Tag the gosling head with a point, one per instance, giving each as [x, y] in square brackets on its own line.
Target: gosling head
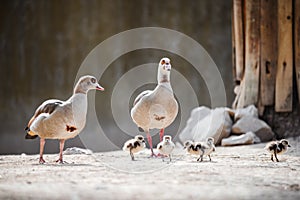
[210, 141]
[139, 138]
[167, 138]
[285, 143]
[187, 144]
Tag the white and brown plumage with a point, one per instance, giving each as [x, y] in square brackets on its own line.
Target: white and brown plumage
[166, 147]
[56, 119]
[134, 145]
[277, 147]
[158, 108]
[200, 148]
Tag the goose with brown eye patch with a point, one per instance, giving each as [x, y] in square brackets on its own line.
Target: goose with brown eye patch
[56, 119]
[158, 108]
[134, 145]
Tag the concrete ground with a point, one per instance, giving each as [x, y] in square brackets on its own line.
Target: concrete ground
[242, 172]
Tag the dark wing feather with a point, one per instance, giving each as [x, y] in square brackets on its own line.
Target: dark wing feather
[47, 107]
[136, 144]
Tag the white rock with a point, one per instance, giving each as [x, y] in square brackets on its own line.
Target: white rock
[247, 138]
[255, 125]
[77, 150]
[197, 114]
[217, 125]
[250, 110]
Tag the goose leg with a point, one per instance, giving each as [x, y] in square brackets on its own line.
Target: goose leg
[161, 134]
[272, 157]
[131, 154]
[61, 148]
[275, 154]
[149, 138]
[42, 144]
[209, 158]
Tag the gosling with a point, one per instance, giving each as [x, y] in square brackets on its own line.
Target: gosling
[200, 148]
[134, 145]
[166, 147]
[277, 147]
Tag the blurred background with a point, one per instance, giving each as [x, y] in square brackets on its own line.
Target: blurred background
[43, 43]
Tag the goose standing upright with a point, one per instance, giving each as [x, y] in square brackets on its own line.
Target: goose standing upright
[157, 108]
[55, 119]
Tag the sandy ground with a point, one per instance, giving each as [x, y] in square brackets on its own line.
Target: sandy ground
[243, 172]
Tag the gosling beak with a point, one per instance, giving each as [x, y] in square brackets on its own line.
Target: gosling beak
[289, 145]
[98, 87]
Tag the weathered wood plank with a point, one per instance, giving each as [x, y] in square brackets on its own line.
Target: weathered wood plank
[233, 47]
[297, 43]
[284, 76]
[268, 60]
[252, 53]
[239, 38]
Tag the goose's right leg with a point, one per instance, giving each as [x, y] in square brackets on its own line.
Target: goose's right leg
[42, 144]
[149, 138]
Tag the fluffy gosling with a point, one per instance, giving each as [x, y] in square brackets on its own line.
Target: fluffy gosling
[166, 146]
[277, 147]
[134, 145]
[200, 148]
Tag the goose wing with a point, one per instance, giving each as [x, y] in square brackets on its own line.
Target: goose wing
[48, 106]
[141, 95]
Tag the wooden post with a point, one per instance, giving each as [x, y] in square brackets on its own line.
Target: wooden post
[239, 38]
[297, 43]
[268, 60]
[252, 53]
[233, 47]
[284, 76]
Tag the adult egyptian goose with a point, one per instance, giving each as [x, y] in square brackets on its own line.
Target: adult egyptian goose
[55, 119]
[157, 108]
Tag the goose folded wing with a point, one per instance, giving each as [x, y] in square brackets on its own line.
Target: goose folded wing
[140, 96]
[48, 106]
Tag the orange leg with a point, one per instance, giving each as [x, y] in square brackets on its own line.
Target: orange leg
[161, 134]
[149, 138]
[42, 144]
[61, 148]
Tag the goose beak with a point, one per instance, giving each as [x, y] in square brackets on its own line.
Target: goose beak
[168, 66]
[98, 87]
[289, 145]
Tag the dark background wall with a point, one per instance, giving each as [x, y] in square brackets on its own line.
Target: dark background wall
[43, 43]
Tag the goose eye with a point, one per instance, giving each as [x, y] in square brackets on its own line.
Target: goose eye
[93, 80]
[163, 62]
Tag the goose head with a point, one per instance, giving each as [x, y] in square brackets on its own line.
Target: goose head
[164, 69]
[86, 83]
[165, 64]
